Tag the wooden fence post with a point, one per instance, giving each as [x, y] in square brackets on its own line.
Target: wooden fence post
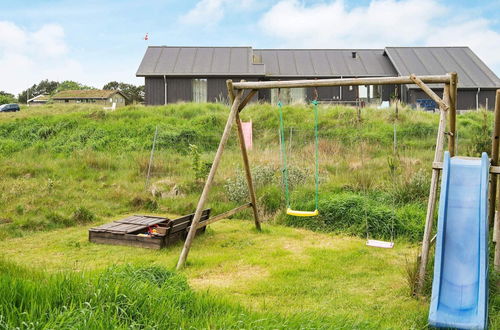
[208, 184]
[429, 219]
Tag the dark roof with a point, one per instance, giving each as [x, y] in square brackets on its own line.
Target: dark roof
[201, 61]
[326, 62]
[86, 94]
[312, 63]
[472, 72]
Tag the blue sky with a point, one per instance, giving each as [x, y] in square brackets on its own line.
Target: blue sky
[99, 41]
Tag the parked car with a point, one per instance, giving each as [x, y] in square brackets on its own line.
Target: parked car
[9, 107]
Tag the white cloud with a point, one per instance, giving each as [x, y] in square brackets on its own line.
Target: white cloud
[50, 40]
[211, 12]
[332, 24]
[26, 57]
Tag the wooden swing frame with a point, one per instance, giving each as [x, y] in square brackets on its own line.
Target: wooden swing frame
[447, 108]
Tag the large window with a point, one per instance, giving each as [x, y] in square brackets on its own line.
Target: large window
[199, 90]
[288, 95]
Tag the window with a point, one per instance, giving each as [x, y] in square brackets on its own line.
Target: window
[297, 95]
[199, 90]
[288, 95]
[363, 92]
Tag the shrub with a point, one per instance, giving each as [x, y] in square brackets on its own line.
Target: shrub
[200, 168]
[355, 214]
[481, 136]
[408, 188]
[82, 215]
[59, 221]
[236, 188]
[270, 198]
[144, 202]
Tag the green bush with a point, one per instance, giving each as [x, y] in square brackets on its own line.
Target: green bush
[354, 214]
[83, 216]
[270, 198]
[406, 189]
[236, 188]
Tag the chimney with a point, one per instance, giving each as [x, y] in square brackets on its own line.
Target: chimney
[354, 54]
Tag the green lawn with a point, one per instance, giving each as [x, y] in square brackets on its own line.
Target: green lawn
[283, 270]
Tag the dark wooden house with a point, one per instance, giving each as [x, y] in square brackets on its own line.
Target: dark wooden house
[199, 74]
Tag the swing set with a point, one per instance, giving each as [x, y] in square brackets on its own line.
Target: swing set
[289, 210]
[239, 99]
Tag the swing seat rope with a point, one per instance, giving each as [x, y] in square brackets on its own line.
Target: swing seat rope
[289, 210]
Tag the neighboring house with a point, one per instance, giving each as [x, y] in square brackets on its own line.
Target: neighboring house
[96, 96]
[38, 100]
[199, 74]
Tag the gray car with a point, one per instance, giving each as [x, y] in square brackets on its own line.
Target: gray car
[9, 107]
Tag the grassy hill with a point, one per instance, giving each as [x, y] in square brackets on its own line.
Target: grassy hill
[65, 165]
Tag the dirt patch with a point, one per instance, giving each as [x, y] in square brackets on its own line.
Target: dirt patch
[228, 277]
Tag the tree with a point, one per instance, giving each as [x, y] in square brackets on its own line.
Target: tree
[71, 85]
[43, 87]
[134, 94]
[6, 98]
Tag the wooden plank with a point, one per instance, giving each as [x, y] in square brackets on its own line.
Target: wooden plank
[224, 215]
[430, 92]
[496, 134]
[439, 166]
[431, 204]
[208, 184]
[435, 79]
[129, 240]
[115, 241]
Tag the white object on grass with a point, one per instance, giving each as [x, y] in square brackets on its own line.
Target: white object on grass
[380, 244]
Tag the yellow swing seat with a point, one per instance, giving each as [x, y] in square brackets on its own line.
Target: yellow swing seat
[314, 213]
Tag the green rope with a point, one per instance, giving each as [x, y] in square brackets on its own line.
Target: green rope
[316, 138]
[284, 158]
[283, 153]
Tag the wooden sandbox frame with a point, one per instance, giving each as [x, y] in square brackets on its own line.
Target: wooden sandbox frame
[447, 108]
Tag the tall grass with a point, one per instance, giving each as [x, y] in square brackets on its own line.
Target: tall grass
[128, 297]
[57, 159]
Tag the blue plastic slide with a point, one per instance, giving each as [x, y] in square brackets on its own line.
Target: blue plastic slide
[459, 290]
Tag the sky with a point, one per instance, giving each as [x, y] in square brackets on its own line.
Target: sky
[97, 41]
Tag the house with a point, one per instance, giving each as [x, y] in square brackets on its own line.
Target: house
[95, 96]
[38, 100]
[199, 74]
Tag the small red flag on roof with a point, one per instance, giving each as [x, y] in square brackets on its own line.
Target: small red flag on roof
[146, 37]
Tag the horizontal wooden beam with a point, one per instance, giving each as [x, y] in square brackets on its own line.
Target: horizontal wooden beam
[439, 166]
[222, 216]
[340, 82]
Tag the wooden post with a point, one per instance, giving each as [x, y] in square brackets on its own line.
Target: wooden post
[494, 179]
[429, 219]
[494, 162]
[208, 184]
[248, 173]
[453, 114]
